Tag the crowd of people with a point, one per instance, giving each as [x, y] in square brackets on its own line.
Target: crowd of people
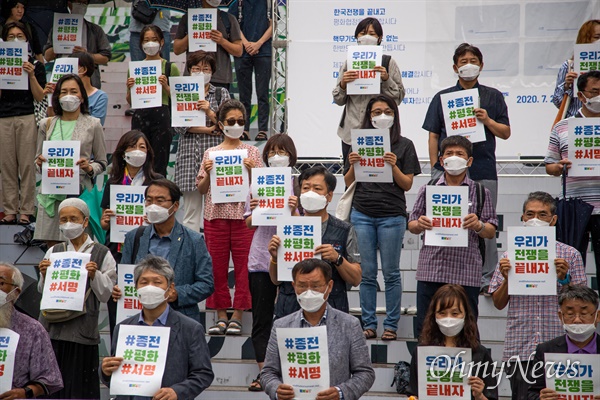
[182, 263]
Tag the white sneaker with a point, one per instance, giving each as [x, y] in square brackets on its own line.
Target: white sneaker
[411, 310]
[402, 310]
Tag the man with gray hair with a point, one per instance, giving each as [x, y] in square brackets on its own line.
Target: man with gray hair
[579, 316]
[189, 371]
[36, 371]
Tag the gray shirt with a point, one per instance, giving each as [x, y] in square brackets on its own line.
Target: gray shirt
[162, 20]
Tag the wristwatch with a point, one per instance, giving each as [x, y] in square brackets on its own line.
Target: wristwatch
[339, 260]
[29, 392]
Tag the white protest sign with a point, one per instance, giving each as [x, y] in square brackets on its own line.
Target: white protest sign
[127, 202]
[9, 341]
[584, 146]
[65, 282]
[459, 114]
[363, 59]
[371, 145]
[200, 22]
[146, 92]
[60, 174]
[67, 32]
[299, 236]
[573, 376]
[446, 207]
[586, 57]
[186, 91]
[272, 187]
[304, 357]
[62, 66]
[12, 57]
[444, 373]
[144, 351]
[129, 304]
[229, 176]
[531, 252]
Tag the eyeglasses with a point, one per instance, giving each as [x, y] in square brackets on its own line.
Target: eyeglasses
[233, 121]
[158, 200]
[389, 112]
[540, 215]
[304, 287]
[206, 70]
[2, 283]
[281, 153]
[12, 37]
[585, 317]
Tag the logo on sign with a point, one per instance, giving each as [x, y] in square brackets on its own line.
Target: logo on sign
[531, 285]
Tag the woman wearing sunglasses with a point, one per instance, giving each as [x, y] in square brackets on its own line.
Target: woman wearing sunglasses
[225, 230]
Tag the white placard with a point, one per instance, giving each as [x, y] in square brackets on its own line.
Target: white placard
[459, 114]
[574, 376]
[65, 282]
[371, 145]
[272, 187]
[531, 252]
[584, 146]
[146, 91]
[67, 32]
[9, 340]
[299, 236]
[60, 174]
[129, 304]
[586, 57]
[186, 91]
[363, 59]
[200, 22]
[62, 66]
[229, 176]
[444, 373]
[12, 74]
[127, 202]
[144, 351]
[304, 357]
[446, 207]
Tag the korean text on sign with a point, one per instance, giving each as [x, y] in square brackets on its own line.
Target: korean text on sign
[443, 372]
[146, 91]
[60, 174]
[272, 187]
[459, 114]
[65, 282]
[446, 207]
[186, 91]
[299, 236]
[66, 32]
[573, 376]
[12, 57]
[200, 22]
[129, 304]
[229, 177]
[62, 66]
[8, 347]
[364, 59]
[371, 145]
[127, 202]
[584, 146]
[586, 57]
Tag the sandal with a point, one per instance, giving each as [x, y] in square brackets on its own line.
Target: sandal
[255, 386]
[24, 220]
[8, 221]
[370, 333]
[219, 328]
[389, 335]
[262, 135]
[234, 327]
[245, 136]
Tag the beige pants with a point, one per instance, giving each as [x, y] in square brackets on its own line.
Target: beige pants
[18, 136]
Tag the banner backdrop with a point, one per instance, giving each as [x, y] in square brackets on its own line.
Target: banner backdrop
[523, 43]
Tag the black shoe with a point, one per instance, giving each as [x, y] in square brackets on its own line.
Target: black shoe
[129, 112]
[485, 290]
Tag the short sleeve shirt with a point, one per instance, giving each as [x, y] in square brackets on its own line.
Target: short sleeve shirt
[254, 19]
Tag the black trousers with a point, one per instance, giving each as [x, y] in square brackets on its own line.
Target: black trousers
[263, 293]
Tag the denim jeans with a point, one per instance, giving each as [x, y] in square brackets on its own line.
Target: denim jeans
[261, 66]
[136, 52]
[385, 233]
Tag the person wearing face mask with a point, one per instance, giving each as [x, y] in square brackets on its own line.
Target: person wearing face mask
[36, 371]
[368, 32]
[195, 140]
[13, 11]
[493, 113]
[95, 42]
[587, 188]
[162, 20]
[350, 372]
[458, 265]
[225, 231]
[72, 122]
[155, 122]
[18, 137]
[279, 151]
[339, 246]
[532, 319]
[588, 33]
[450, 322]
[188, 369]
[379, 217]
[75, 341]
[579, 315]
[183, 248]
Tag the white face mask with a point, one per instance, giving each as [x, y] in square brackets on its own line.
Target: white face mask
[151, 296]
[279, 161]
[151, 48]
[313, 202]
[214, 3]
[71, 230]
[579, 332]
[157, 214]
[311, 301]
[535, 222]
[383, 121]
[135, 158]
[4, 297]
[233, 132]
[69, 103]
[455, 165]
[367, 40]
[78, 8]
[450, 326]
[469, 72]
[593, 104]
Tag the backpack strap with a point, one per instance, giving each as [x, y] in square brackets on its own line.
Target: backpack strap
[168, 66]
[385, 62]
[136, 242]
[218, 96]
[225, 19]
[480, 191]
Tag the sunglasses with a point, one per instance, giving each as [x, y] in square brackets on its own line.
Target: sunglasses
[233, 121]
